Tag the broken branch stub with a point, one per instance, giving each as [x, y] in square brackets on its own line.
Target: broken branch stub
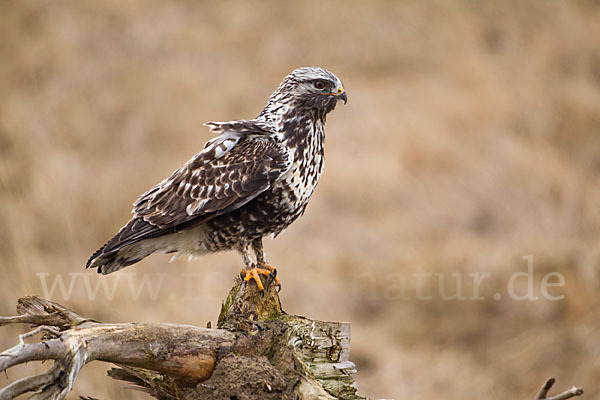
[257, 352]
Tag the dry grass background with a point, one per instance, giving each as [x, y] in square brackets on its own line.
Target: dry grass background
[471, 139]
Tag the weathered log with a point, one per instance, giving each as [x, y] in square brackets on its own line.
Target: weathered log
[257, 352]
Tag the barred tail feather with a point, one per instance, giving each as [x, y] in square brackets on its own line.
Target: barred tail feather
[138, 239]
[126, 247]
[121, 258]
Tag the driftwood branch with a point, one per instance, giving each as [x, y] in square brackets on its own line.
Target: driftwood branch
[567, 394]
[257, 352]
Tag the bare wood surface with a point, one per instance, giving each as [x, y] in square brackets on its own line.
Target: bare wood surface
[567, 394]
[257, 352]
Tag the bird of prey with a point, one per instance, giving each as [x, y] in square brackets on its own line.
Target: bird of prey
[254, 179]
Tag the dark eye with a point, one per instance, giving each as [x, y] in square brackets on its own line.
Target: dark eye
[320, 84]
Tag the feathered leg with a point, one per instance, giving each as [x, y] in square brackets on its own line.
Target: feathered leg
[257, 246]
[252, 271]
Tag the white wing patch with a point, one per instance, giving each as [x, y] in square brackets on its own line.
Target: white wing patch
[224, 147]
[195, 206]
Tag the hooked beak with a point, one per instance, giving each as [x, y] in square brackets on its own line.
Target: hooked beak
[341, 94]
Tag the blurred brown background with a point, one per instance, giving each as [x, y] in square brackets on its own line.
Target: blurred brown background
[471, 139]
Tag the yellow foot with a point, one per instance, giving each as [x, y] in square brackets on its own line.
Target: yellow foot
[253, 273]
[273, 273]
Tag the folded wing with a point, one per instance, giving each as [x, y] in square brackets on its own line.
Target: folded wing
[233, 169]
[213, 184]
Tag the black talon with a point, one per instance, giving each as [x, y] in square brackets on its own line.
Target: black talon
[262, 293]
[279, 288]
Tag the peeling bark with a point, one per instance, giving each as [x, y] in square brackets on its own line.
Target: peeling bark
[257, 352]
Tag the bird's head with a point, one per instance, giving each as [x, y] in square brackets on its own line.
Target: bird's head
[311, 87]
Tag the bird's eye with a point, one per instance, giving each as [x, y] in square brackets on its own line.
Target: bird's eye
[320, 84]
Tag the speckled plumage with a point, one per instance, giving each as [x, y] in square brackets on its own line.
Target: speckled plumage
[253, 179]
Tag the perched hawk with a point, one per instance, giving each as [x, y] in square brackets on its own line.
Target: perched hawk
[254, 179]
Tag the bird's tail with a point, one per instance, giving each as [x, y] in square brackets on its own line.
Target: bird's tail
[115, 260]
[138, 239]
[133, 243]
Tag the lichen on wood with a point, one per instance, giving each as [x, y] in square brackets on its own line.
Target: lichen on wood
[257, 352]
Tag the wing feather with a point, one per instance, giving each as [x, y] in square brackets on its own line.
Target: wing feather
[231, 170]
[207, 186]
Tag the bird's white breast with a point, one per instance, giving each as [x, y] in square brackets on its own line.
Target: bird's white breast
[305, 171]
